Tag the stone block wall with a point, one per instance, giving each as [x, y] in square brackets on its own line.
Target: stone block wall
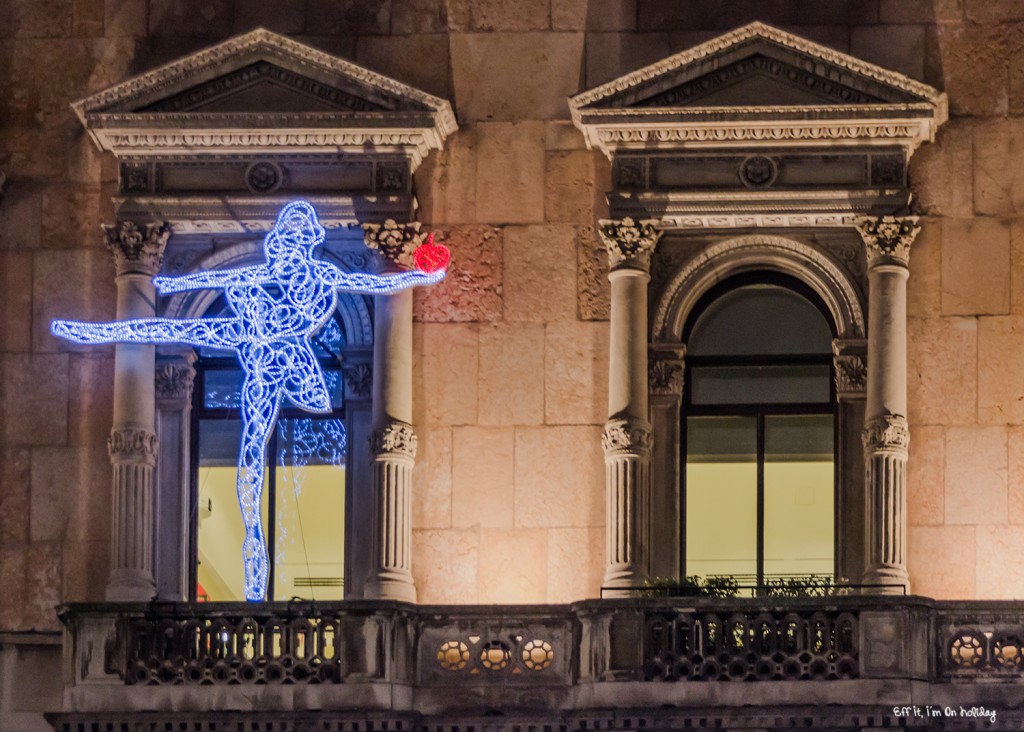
[511, 351]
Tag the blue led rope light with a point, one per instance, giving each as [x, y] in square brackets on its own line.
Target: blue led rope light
[271, 333]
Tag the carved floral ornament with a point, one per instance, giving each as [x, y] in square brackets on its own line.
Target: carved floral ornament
[888, 238]
[666, 377]
[135, 250]
[395, 242]
[395, 438]
[627, 436]
[887, 432]
[133, 445]
[173, 382]
[629, 241]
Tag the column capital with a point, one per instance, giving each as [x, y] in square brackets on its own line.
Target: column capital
[394, 439]
[136, 250]
[888, 239]
[849, 359]
[394, 242]
[627, 436]
[132, 445]
[629, 243]
[666, 377]
[173, 382]
[886, 433]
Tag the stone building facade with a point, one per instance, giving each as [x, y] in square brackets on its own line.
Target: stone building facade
[544, 395]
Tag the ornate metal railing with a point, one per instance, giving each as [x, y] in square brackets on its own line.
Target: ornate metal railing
[755, 645]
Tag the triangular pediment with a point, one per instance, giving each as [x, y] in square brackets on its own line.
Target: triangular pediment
[756, 72]
[262, 82]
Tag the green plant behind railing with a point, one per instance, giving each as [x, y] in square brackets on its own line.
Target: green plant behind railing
[813, 585]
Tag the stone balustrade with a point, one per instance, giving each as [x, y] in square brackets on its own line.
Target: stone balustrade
[827, 661]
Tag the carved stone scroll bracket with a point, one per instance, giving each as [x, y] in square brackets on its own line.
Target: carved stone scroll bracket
[886, 433]
[888, 239]
[849, 358]
[629, 243]
[396, 439]
[137, 250]
[393, 241]
[133, 445]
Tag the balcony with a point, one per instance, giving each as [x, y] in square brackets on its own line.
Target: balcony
[847, 662]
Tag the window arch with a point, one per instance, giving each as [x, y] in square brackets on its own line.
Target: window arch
[834, 295]
[758, 432]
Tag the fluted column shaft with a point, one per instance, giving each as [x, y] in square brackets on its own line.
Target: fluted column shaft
[393, 440]
[627, 435]
[886, 435]
[133, 442]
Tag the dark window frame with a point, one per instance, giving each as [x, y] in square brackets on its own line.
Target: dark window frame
[759, 410]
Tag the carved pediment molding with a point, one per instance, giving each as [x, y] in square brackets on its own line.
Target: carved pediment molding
[264, 93]
[714, 96]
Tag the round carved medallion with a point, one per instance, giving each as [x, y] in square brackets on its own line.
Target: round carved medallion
[263, 177]
[758, 171]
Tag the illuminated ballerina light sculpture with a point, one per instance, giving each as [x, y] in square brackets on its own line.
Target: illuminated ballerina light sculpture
[278, 306]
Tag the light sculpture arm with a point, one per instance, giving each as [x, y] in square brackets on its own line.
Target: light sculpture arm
[431, 266]
[258, 274]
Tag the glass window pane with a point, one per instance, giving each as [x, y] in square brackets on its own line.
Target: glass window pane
[799, 478]
[758, 320]
[223, 388]
[721, 496]
[777, 384]
[220, 575]
[309, 546]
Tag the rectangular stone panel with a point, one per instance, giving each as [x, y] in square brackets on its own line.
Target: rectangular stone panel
[419, 60]
[510, 172]
[576, 373]
[976, 476]
[14, 495]
[576, 561]
[1000, 573]
[526, 89]
[611, 55]
[33, 399]
[511, 389]
[941, 561]
[540, 273]
[482, 477]
[942, 370]
[1015, 479]
[943, 172]
[975, 266]
[445, 374]
[975, 67]
[71, 284]
[559, 477]
[432, 479]
[15, 301]
[926, 476]
[924, 289]
[575, 183]
[513, 566]
[1001, 370]
[472, 290]
[444, 565]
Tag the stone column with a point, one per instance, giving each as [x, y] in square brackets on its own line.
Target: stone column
[174, 379]
[133, 444]
[627, 434]
[886, 435]
[392, 439]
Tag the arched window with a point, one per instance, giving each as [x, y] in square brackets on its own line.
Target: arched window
[759, 432]
[304, 491]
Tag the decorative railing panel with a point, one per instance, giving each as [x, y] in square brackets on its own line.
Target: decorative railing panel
[975, 645]
[527, 648]
[249, 644]
[755, 645]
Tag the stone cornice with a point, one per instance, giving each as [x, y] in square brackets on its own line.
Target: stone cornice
[410, 119]
[612, 118]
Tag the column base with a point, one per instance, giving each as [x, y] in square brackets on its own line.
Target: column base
[623, 582]
[390, 586]
[130, 585]
[887, 580]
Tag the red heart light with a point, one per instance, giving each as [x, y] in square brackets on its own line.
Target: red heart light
[431, 257]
